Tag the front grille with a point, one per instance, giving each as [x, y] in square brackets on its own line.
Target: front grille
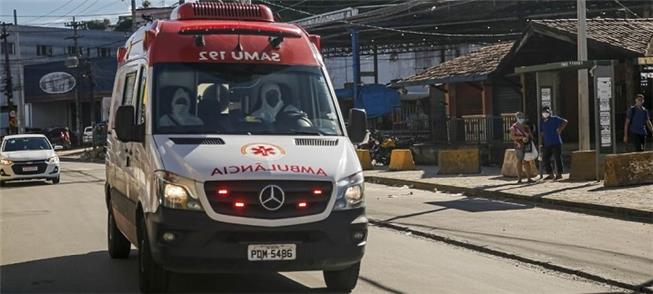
[249, 191]
[17, 167]
[315, 142]
[197, 141]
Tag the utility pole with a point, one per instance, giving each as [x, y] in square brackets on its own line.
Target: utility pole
[9, 87]
[133, 15]
[583, 81]
[78, 123]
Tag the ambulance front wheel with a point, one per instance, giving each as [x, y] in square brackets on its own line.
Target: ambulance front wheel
[342, 280]
[152, 277]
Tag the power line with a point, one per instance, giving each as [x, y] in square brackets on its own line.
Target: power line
[396, 30]
[626, 8]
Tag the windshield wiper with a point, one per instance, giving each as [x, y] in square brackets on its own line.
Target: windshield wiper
[306, 132]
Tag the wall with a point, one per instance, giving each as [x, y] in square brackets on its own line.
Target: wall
[52, 114]
[391, 66]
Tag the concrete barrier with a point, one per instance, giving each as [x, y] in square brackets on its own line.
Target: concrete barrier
[365, 159]
[509, 167]
[583, 166]
[401, 159]
[459, 161]
[628, 169]
[425, 154]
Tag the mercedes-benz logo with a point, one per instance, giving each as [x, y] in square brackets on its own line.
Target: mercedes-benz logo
[271, 197]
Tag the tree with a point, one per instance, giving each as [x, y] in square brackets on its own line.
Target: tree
[124, 24]
[98, 24]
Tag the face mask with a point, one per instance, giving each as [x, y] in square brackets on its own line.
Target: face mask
[270, 106]
[521, 120]
[180, 104]
[546, 115]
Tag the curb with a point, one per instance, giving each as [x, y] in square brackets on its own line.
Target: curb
[621, 213]
[484, 249]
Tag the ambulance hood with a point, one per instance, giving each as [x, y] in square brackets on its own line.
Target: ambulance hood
[243, 157]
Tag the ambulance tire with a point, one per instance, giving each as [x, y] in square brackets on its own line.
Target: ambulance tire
[55, 180]
[3, 183]
[342, 280]
[118, 245]
[152, 278]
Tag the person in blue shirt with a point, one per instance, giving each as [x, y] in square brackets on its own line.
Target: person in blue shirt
[551, 142]
[637, 120]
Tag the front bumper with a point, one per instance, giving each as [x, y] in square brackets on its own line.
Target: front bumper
[202, 245]
[14, 171]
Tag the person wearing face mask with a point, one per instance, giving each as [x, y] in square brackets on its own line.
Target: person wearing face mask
[180, 114]
[271, 103]
[551, 142]
[521, 134]
[637, 120]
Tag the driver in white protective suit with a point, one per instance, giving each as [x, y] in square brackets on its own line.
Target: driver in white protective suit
[180, 114]
[271, 103]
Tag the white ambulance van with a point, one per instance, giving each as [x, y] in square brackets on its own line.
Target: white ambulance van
[227, 151]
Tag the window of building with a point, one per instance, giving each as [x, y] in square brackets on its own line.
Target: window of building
[70, 50]
[43, 50]
[10, 47]
[104, 52]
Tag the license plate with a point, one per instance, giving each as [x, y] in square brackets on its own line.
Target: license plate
[271, 252]
[30, 168]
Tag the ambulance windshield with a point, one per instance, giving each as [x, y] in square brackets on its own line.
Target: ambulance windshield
[243, 99]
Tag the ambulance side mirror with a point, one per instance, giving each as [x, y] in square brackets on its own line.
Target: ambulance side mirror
[357, 125]
[124, 125]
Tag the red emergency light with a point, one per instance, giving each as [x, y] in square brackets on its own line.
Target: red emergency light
[302, 204]
[240, 29]
[239, 204]
[317, 192]
[223, 11]
[223, 192]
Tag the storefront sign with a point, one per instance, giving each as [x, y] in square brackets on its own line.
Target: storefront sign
[546, 97]
[645, 60]
[604, 94]
[57, 82]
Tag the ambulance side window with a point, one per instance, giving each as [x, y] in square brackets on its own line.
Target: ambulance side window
[141, 99]
[128, 92]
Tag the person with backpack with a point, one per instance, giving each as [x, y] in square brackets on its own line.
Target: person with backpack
[551, 142]
[637, 120]
[521, 134]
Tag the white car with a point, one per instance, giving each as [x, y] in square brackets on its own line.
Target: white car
[87, 137]
[26, 157]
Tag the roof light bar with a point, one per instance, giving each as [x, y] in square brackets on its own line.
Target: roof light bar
[223, 11]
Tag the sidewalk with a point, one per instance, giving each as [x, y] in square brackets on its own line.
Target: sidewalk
[71, 152]
[631, 203]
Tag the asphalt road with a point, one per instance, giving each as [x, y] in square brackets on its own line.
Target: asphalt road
[613, 249]
[53, 240]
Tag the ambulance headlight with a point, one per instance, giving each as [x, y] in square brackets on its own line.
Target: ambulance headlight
[176, 192]
[350, 192]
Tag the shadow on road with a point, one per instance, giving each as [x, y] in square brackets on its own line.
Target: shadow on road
[97, 272]
[479, 205]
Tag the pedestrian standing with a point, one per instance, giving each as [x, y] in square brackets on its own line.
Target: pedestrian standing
[522, 136]
[637, 120]
[551, 142]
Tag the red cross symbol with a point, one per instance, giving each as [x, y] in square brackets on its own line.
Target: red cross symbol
[263, 151]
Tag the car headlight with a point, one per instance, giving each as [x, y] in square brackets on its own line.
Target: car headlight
[53, 160]
[176, 192]
[350, 192]
[5, 161]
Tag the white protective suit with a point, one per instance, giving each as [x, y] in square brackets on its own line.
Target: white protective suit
[271, 103]
[180, 115]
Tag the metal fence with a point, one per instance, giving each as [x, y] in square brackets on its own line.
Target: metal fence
[479, 129]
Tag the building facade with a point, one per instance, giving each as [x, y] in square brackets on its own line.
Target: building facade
[44, 88]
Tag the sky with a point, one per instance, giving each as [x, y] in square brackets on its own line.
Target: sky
[57, 12]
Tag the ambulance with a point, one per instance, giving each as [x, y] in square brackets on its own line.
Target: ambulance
[227, 151]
